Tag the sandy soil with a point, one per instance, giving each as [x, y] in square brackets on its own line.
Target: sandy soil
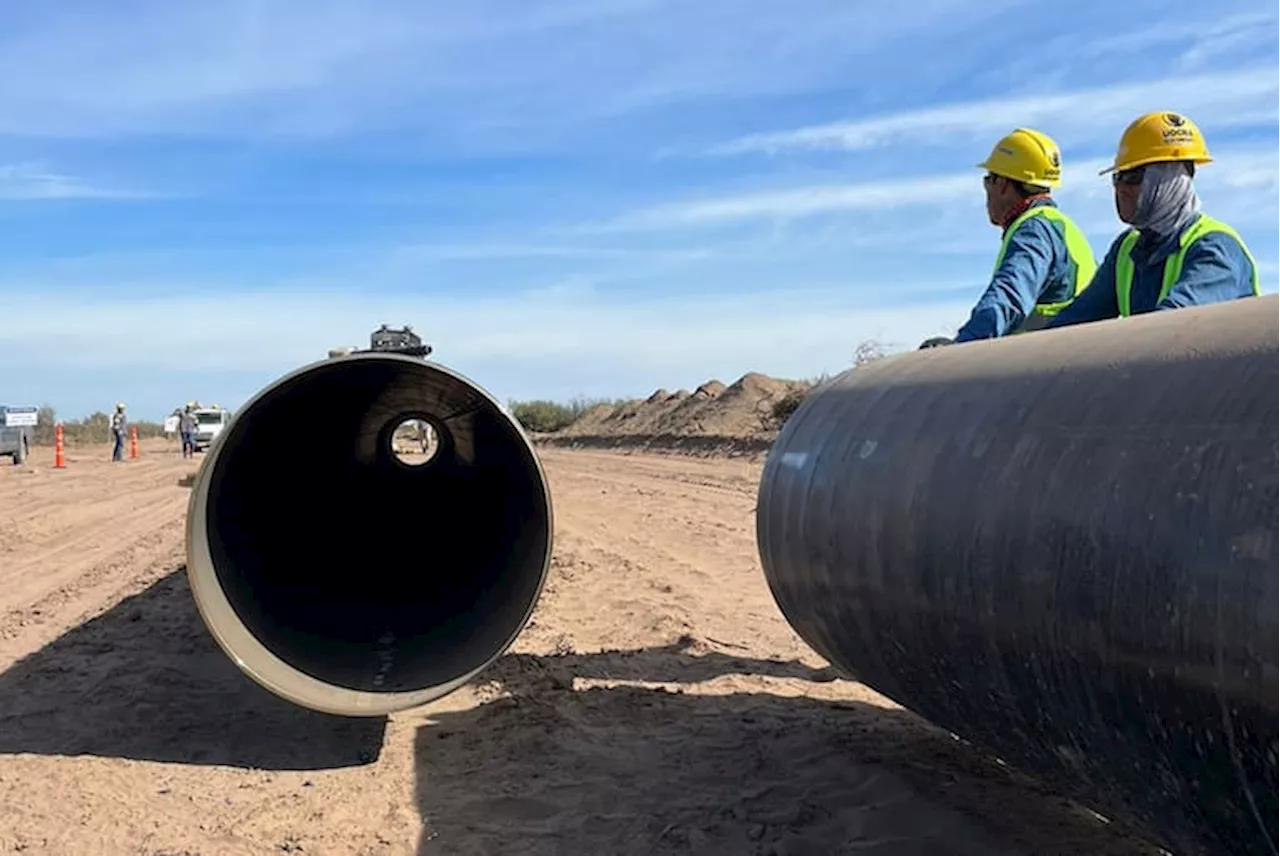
[658, 703]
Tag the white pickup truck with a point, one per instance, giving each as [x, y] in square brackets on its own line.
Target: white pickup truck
[17, 427]
[209, 424]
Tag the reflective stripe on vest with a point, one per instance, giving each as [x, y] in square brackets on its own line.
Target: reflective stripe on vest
[1204, 225]
[1078, 250]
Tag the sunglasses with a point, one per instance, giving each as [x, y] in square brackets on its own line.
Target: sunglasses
[1129, 177]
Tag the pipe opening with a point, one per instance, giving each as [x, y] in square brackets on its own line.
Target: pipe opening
[356, 568]
[414, 441]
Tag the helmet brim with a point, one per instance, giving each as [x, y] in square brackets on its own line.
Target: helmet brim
[1046, 185]
[1134, 164]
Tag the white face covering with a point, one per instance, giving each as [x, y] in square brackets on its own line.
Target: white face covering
[1167, 200]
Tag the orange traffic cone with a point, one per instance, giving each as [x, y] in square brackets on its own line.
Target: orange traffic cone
[59, 451]
[133, 442]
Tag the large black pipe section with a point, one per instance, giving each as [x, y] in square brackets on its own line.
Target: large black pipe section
[1062, 547]
[346, 580]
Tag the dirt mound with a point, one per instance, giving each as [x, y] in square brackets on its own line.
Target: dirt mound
[710, 389]
[593, 418]
[745, 409]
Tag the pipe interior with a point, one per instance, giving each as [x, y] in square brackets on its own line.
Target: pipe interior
[359, 570]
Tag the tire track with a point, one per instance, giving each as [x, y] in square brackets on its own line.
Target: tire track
[74, 541]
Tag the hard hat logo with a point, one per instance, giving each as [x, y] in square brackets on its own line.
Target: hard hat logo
[1177, 131]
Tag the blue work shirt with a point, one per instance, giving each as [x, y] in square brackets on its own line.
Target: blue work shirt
[1215, 269]
[1035, 269]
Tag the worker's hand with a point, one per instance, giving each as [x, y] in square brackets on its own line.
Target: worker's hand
[935, 342]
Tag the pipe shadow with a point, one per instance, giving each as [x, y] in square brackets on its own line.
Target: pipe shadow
[146, 681]
[549, 769]
[682, 662]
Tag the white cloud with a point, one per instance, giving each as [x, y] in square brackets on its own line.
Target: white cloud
[564, 336]
[806, 201]
[489, 251]
[1253, 169]
[1215, 101]
[1177, 44]
[458, 70]
[35, 181]
[1235, 169]
[1232, 33]
[1203, 37]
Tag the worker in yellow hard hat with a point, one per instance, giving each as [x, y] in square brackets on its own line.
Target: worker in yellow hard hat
[1174, 256]
[1044, 259]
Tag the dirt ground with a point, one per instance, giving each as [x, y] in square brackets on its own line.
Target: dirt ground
[658, 702]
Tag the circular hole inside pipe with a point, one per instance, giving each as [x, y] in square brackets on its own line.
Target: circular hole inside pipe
[414, 442]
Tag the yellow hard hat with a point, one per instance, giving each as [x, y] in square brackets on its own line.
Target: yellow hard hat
[1158, 137]
[1027, 156]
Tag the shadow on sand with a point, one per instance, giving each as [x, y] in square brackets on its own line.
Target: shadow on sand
[146, 681]
[549, 769]
[682, 662]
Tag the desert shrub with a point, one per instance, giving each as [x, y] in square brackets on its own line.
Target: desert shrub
[546, 417]
[543, 417]
[94, 428]
[866, 352]
[869, 351]
[788, 404]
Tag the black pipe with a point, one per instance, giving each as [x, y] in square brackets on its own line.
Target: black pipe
[349, 580]
[1062, 547]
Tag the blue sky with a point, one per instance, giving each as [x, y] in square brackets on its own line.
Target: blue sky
[586, 197]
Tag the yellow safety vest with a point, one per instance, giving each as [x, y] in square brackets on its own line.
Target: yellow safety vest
[1204, 225]
[1078, 250]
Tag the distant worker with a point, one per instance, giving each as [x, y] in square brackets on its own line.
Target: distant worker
[187, 427]
[1174, 256]
[1044, 260]
[119, 425]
